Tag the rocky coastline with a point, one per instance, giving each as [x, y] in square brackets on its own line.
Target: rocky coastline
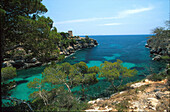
[145, 95]
[159, 48]
[21, 61]
[149, 94]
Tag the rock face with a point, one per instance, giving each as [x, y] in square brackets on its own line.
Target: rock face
[158, 47]
[79, 44]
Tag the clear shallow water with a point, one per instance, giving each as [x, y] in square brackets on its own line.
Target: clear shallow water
[128, 48]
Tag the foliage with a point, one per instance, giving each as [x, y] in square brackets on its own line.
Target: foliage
[122, 106]
[115, 71]
[54, 89]
[5, 87]
[157, 77]
[17, 11]
[36, 33]
[162, 32]
[165, 57]
[94, 69]
[8, 73]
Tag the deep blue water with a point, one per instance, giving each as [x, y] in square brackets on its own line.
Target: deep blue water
[128, 48]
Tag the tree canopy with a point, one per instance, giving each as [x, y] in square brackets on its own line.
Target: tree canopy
[60, 79]
[115, 71]
[22, 25]
[162, 32]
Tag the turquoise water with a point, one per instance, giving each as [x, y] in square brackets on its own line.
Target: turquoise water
[128, 48]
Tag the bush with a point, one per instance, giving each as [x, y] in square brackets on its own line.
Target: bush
[122, 106]
[156, 77]
[8, 73]
[61, 58]
[123, 87]
[165, 57]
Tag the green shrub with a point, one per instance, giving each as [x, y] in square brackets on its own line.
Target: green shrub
[61, 58]
[123, 87]
[156, 77]
[8, 73]
[165, 57]
[122, 106]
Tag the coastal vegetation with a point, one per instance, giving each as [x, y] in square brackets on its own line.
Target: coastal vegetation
[54, 89]
[115, 71]
[159, 43]
[29, 40]
[8, 73]
[59, 80]
[150, 94]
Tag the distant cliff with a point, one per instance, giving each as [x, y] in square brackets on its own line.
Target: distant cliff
[80, 43]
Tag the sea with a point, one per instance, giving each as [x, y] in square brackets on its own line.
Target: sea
[128, 48]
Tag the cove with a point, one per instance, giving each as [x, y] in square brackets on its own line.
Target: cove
[128, 48]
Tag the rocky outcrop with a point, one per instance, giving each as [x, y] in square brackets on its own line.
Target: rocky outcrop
[21, 59]
[158, 47]
[79, 44]
[22, 64]
[144, 96]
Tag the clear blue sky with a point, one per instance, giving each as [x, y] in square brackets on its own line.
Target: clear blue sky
[107, 17]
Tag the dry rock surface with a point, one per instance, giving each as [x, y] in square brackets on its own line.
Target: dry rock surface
[143, 96]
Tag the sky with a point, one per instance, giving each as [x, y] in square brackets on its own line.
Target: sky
[108, 17]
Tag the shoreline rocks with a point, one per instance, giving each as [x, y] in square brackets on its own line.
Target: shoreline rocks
[158, 47]
[23, 60]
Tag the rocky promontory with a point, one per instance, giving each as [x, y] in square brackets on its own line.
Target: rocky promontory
[80, 43]
[21, 59]
[159, 47]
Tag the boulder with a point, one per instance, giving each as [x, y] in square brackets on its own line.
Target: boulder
[159, 50]
[29, 65]
[157, 58]
[61, 53]
[146, 45]
[85, 45]
[8, 63]
[65, 52]
[136, 85]
[95, 42]
[70, 49]
[152, 51]
[75, 47]
[91, 45]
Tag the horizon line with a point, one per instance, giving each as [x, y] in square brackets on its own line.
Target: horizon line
[112, 34]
